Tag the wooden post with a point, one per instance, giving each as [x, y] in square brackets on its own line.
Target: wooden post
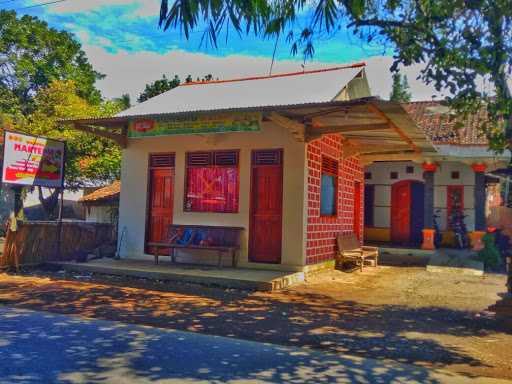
[428, 208]
[59, 225]
[13, 224]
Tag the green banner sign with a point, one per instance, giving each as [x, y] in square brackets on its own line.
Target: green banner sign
[224, 123]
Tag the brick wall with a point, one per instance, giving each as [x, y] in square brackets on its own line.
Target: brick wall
[321, 231]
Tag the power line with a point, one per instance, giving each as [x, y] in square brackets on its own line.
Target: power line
[40, 5]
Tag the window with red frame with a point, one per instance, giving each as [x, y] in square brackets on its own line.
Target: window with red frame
[454, 202]
[329, 187]
[212, 182]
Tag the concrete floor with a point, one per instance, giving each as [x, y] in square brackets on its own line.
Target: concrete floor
[241, 278]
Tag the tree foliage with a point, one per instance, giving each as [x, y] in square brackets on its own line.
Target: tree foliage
[162, 85]
[88, 158]
[400, 89]
[157, 87]
[32, 55]
[459, 42]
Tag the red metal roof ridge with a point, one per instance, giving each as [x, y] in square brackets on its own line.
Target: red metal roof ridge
[355, 65]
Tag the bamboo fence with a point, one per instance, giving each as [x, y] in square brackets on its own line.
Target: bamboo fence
[37, 242]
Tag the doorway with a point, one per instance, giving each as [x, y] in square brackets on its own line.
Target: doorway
[265, 232]
[160, 197]
[407, 212]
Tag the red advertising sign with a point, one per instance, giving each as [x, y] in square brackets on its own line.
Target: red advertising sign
[33, 160]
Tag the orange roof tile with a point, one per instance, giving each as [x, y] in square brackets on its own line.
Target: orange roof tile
[439, 125]
[106, 193]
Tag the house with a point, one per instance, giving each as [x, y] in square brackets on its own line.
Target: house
[402, 197]
[102, 204]
[279, 156]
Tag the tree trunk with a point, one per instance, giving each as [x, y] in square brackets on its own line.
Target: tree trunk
[49, 203]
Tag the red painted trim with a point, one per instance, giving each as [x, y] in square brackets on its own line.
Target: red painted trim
[356, 65]
[479, 167]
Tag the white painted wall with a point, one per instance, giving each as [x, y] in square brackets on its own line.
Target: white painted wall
[381, 179]
[98, 214]
[134, 177]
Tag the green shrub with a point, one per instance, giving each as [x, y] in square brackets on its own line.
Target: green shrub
[489, 255]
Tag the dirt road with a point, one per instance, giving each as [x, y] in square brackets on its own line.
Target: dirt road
[402, 314]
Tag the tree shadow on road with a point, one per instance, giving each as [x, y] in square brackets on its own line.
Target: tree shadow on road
[39, 347]
[383, 332]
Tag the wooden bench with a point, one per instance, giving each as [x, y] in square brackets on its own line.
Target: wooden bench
[349, 249]
[223, 240]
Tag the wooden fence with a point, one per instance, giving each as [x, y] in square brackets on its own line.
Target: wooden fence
[37, 242]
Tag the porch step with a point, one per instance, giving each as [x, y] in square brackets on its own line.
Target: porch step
[455, 261]
[240, 278]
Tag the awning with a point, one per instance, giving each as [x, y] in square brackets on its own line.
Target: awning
[375, 129]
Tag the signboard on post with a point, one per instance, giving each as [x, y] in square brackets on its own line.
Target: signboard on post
[33, 160]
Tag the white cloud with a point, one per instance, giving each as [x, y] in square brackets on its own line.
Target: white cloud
[144, 8]
[130, 72]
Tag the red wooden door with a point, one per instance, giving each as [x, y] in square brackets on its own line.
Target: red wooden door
[401, 212]
[265, 232]
[161, 191]
[357, 209]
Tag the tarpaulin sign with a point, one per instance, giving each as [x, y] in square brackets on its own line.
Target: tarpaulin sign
[33, 160]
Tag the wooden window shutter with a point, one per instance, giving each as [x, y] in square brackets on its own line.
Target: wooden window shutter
[161, 160]
[329, 165]
[226, 158]
[199, 159]
[267, 157]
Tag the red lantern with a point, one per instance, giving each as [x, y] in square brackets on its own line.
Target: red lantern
[429, 167]
[479, 167]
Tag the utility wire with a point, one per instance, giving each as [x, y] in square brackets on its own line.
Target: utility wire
[40, 5]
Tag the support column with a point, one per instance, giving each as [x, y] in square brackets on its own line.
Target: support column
[480, 198]
[428, 207]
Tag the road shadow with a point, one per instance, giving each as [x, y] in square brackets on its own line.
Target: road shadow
[48, 348]
[383, 332]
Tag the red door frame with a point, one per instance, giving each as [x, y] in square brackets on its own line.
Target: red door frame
[150, 188]
[252, 221]
[401, 211]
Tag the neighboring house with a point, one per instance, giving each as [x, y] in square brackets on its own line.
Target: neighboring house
[402, 196]
[280, 156]
[32, 208]
[102, 205]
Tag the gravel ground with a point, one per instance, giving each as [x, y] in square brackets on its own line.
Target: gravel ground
[401, 314]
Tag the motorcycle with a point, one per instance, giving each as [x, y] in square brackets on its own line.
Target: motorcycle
[459, 228]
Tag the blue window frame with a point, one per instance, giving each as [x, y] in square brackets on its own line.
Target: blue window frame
[329, 187]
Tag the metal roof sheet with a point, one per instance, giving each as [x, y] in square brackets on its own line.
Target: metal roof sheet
[307, 87]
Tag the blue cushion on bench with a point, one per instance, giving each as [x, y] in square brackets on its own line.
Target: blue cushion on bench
[185, 239]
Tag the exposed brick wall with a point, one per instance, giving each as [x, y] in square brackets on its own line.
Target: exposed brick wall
[321, 231]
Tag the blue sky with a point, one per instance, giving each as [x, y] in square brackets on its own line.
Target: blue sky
[122, 40]
[132, 26]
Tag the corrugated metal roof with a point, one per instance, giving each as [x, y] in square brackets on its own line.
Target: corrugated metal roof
[277, 90]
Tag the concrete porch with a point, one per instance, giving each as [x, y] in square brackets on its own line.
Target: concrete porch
[241, 278]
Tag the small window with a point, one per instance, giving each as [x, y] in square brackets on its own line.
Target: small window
[212, 182]
[455, 175]
[393, 175]
[367, 175]
[329, 187]
[161, 160]
[409, 169]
